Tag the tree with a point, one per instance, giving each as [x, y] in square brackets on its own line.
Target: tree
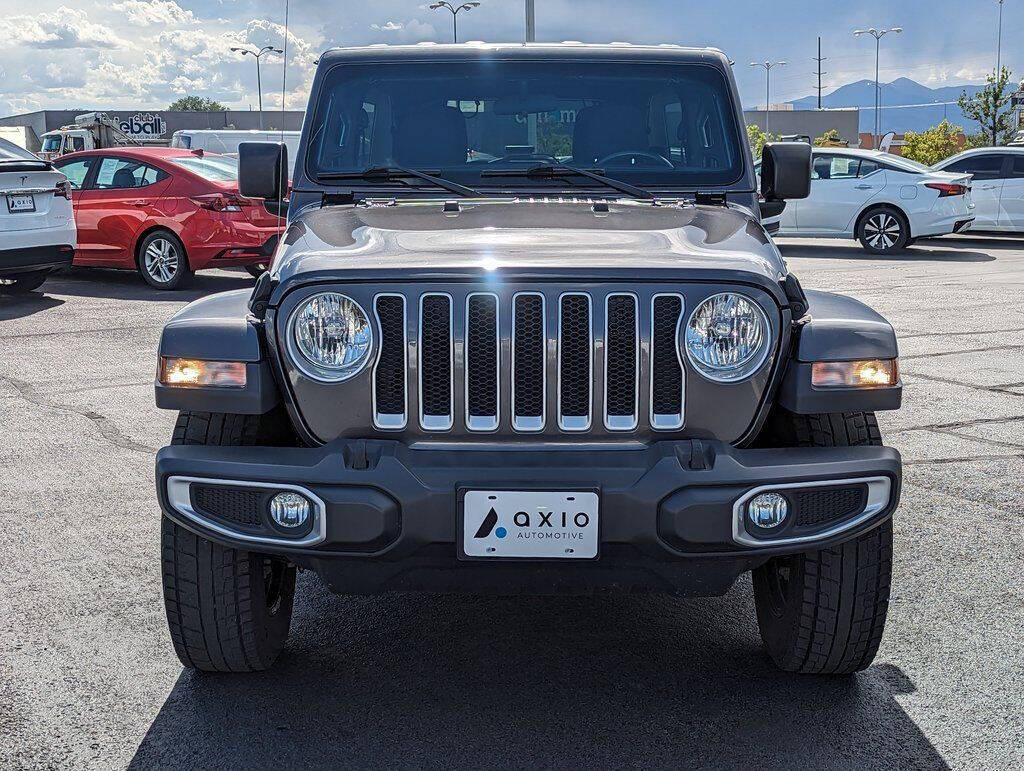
[935, 144]
[829, 138]
[196, 104]
[987, 107]
[757, 138]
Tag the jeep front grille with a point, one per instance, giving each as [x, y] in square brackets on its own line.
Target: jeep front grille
[562, 356]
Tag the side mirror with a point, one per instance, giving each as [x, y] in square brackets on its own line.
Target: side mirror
[785, 170]
[262, 170]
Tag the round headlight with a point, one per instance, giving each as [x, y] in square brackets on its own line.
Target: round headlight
[727, 337]
[331, 336]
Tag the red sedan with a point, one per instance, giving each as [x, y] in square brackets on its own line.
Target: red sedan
[166, 213]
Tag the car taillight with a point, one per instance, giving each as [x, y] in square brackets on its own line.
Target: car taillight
[947, 189]
[220, 201]
[62, 190]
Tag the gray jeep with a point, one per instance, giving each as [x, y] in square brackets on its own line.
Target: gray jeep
[525, 333]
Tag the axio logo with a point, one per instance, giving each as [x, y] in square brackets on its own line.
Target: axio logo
[488, 525]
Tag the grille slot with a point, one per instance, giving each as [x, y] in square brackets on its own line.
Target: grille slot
[482, 346]
[622, 355]
[389, 384]
[436, 362]
[816, 507]
[667, 381]
[238, 505]
[529, 370]
[575, 362]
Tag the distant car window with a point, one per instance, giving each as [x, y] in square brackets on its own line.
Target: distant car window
[216, 168]
[867, 167]
[121, 173]
[77, 143]
[1018, 166]
[835, 167]
[981, 166]
[51, 144]
[76, 171]
[181, 140]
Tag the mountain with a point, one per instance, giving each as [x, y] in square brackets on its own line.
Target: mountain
[927, 111]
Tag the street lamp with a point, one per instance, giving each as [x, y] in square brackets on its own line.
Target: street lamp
[999, 41]
[767, 86]
[259, 84]
[455, 14]
[877, 34]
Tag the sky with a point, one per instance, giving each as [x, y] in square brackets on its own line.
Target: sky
[138, 54]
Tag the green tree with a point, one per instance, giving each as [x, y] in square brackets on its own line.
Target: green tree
[933, 145]
[830, 137]
[196, 104]
[757, 138]
[988, 107]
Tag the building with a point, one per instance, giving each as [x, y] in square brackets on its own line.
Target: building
[155, 124]
[812, 123]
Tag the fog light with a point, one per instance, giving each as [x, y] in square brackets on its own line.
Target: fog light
[289, 510]
[767, 510]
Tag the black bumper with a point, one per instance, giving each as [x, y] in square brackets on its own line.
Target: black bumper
[390, 520]
[35, 258]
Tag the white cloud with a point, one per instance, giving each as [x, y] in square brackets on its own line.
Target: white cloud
[145, 13]
[388, 26]
[412, 31]
[63, 28]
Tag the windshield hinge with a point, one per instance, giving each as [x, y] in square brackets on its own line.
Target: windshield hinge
[711, 198]
[377, 203]
[451, 207]
[337, 199]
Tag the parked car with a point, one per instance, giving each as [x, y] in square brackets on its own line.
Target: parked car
[884, 201]
[166, 213]
[522, 375]
[997, 186]
[37, 227]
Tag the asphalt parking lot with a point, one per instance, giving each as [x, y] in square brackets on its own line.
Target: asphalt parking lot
[88, 676]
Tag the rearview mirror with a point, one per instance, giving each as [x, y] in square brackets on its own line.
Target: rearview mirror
[785, 171]
[262, 170]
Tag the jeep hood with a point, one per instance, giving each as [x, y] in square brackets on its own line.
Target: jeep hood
[421, 240]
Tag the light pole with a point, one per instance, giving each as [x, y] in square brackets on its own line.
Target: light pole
[259, 84]
[877, 34]
[999, 41]
[767, 86]
[455, 14]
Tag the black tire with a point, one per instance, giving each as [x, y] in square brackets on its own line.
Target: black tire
[258, 269]
[162, 261]
[22, 283]
[228, 610]
[823, 612]
[883, 230]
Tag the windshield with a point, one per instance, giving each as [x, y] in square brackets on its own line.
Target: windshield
[51, 144]
[669, 125]
[11, 152]
[216, 168]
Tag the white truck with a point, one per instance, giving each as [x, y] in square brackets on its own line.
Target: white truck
[93, 130]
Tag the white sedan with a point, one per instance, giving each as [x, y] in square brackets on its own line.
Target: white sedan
[884, 201]
[997, 187]
[37, 226]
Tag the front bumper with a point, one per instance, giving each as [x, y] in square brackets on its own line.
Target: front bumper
[671, 513]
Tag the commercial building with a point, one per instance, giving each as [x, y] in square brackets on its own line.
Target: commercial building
[812, 123]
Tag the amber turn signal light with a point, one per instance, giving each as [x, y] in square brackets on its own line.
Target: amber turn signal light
[873, 373]
[175, 371]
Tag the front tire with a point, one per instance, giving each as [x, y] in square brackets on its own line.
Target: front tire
[22, 283]
[162, 261]
[824, 611]
[228, 610]
[883, 230]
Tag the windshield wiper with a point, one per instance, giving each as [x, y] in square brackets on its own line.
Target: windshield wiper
[398, 172]
[551, 170]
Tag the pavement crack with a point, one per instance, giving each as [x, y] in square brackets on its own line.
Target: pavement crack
[958, 334]
[958, 424]
[965, 459]
[108, 430]
[963, 350]
[978, 439]
[950, 381]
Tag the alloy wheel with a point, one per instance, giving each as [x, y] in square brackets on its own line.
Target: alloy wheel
[882, 231]
[161, 260]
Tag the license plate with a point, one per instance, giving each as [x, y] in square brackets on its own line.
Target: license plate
[20, 203]
[530, 524]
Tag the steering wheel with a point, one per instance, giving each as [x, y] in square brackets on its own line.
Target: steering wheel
[660, 160]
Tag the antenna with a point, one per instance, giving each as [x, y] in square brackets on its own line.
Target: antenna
[283, 180]
[819, 59]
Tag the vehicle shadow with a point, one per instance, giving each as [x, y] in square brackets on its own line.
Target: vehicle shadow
[923, 251]
[16, 306]
[641, 681]
[127, 285]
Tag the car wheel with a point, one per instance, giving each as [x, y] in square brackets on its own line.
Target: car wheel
[823, 611]
[883, 230]
[228, 610]
[258, 269]
[163, 263]
[23, 283]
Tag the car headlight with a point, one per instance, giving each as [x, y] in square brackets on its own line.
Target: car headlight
[727, 337]
[330, 337]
